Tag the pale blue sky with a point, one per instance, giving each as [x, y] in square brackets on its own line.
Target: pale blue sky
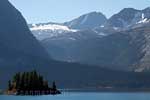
[36, 11]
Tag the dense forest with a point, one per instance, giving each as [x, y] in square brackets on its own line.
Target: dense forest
[30, 83]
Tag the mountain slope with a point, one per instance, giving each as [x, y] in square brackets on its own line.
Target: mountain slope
[14, 33]
[19, 49]
[125, 50]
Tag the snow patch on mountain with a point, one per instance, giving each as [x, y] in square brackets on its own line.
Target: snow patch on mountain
[144, 20]
[52, 27]
[116, 28]
[85, 19]
[43, 31]
[102, 26]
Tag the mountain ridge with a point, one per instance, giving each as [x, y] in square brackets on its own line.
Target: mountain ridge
[128, 17]
[108, 43]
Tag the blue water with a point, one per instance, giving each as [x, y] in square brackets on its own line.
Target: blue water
[83, 96]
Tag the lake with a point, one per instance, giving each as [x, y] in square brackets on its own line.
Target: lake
[83, 96]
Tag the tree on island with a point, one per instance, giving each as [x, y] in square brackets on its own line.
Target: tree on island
[31, 83]
[54, 86]
[9, 85]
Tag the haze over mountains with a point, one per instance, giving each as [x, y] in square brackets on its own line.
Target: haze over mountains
[120, 42]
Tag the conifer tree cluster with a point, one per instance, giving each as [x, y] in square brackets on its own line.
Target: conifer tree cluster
[29, 81]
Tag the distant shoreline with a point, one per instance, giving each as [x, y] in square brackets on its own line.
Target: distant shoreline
[107, 90]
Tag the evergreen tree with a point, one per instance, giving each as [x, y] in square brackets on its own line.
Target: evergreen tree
[22, 84]
[9, 85]
[46, 85]
[41, 82]
[54, 86]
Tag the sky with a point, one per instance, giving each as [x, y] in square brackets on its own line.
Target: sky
[39, 11]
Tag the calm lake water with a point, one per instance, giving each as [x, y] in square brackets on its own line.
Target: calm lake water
[83, 96]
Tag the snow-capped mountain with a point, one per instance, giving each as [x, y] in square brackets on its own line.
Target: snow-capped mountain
[128, 18]
[43, 31]
[116, 44]
[94, 22]
[87, 21]
[83, 23]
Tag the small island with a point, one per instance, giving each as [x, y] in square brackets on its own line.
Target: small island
[30, 83]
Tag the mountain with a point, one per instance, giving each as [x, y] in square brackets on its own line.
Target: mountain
[109, 44]
[17, 42]
[129, 17]
[87, 21]
[109, 48]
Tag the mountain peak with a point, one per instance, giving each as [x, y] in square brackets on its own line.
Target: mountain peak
[129, 17]
[87, 21]
[146, 9]
[94, 13]
[128, 9]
